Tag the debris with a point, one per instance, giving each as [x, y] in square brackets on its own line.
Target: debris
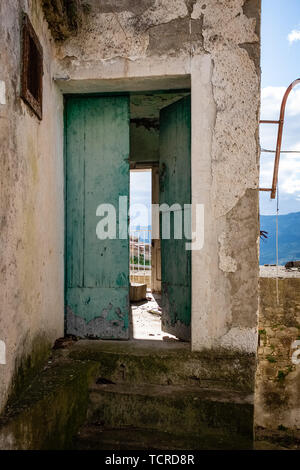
[168, 339]
[155, 312]
[138, 292]
[292, 264]
[64, 343]
[103, 381]
[263, 234]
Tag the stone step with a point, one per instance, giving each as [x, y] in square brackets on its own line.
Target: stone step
[177, 410]
[166, 363]
[95, 437]
[48, 413]
[51, 410]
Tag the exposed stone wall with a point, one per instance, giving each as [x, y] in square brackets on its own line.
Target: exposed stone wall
[63, 16]
[277, 403]
[31, 181]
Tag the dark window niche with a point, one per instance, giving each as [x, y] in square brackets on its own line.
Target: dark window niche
[32, 69]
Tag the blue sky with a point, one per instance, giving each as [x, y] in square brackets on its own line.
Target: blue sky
[280, 63]
[140, 193]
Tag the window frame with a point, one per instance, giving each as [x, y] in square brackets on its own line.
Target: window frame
[28, 34]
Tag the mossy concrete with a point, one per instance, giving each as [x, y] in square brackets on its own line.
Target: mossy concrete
[165, 363]
[29, 365]
[177, 410]
[166, 388]
[96, 437]
[49, 412]
[158, 387]
[280, 439]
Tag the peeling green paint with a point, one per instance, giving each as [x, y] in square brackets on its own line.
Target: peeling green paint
[175, 188]
[97, 172]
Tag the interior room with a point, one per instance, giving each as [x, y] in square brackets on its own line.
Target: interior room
[145, 244]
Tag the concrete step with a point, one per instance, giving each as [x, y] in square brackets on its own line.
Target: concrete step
[167, 363]
[177, 410]
[47, 414]
[95, 437]
[63, 395]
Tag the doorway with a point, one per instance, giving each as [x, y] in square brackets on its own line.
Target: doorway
[106, 136]
[145, 261]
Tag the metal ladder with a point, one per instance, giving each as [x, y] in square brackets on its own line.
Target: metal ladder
[278, 150]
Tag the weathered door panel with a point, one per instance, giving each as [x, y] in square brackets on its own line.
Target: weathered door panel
[97, 172]
[156, 250]
[175, 188]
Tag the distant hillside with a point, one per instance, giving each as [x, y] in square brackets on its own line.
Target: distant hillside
[288, 235]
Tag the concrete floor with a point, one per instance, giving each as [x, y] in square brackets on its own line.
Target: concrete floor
[146, 320]
[280, 271]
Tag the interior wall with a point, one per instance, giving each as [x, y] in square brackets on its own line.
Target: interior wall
[144, 141]
[32, 239]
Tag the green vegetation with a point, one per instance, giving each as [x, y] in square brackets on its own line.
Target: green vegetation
[139, 261]
[281, 375]
[282, 428]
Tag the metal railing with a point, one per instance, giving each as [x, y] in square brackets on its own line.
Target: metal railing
[140, 255]
[278, 150]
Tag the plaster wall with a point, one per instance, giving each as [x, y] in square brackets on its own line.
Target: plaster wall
[154, 44]
[212, 46]
[31, 214]
[144, 142]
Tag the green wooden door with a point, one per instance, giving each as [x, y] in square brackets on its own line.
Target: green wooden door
[97, 172]
[175, 188]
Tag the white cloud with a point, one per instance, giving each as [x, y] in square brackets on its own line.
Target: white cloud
[289, 175]
[140, 198]
[266, 171]
[289, 172]
[271, 98]
[140, 181]
[294, 36]
[289, 168]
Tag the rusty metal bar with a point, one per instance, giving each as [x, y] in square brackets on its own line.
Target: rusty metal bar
[279, 137]
[269, 122]
[282, 151]
[265, 189]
